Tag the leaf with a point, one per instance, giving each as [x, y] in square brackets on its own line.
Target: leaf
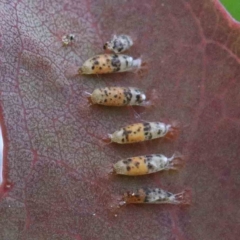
[56, 162]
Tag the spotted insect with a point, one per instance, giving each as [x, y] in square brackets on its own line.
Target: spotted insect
[142, 165]
[118, 44]
[156, 196]
[68, 39]
[140, 132]
[110, 63]
[118, 97]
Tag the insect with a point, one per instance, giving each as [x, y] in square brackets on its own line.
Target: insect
[142, 165]
[68, 39]
[118, 96]
[156, 196]
[110, 63]
[139, 132]
[118, 44]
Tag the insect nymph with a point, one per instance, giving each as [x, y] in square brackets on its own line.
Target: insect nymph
[139, 132]
[110, 63]
[118, 44]
[142, 165]
[119, 96]
[157, 196]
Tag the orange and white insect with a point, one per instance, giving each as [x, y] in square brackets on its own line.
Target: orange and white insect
[118, 44]
[142, 165]
[119, 96]
[157, 196]
[110, 63]
[68, 39]
[140, 132]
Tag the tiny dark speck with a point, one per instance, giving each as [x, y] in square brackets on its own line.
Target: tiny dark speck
[150, 166]
[128, 168]
[137, 164]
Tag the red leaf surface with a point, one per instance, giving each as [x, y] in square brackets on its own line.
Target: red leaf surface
[55, 160]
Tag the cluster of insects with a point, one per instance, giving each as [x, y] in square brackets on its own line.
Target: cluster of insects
[137, 132]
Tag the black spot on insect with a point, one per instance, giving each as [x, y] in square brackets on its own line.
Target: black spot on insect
[115, 96]
[100, 68]
[125, 161]
[129, 159]
[93, 67]
[137, 164]
[126, 133]
[104, 64]
[124, 101]
[105, 46]
[150, 166]
[96, 62]
[139, 129]
[148, 158]
[106, 92]
[150, 136]
[128, 168]
[134, 132]
[128, 95]
[105, 100]
[116, 63]
[123, 140]
[147, 127]
[159, 131]
[138, 98]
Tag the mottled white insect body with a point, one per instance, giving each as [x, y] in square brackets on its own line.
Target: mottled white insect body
[119, 44]
[159, 129]
[68, 39]
[116, 136]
